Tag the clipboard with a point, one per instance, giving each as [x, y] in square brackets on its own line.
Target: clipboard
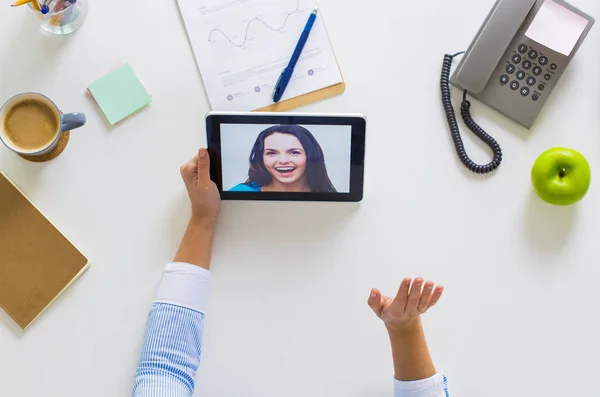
[191, 17]
[305, 99]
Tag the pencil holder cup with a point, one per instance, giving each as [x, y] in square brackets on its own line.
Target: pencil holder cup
[65, 16]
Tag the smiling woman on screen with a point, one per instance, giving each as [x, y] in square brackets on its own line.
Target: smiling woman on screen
[286, 158]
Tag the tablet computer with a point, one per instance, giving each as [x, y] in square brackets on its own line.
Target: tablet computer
[287, 156]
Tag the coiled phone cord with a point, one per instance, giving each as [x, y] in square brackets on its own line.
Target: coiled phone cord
[465, 111]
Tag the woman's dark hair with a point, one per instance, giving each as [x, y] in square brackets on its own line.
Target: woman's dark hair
[316, 172]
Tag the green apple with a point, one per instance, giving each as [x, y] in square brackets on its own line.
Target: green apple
[561, 176]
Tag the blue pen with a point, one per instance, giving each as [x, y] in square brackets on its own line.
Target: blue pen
[45, 9]
[287, 73]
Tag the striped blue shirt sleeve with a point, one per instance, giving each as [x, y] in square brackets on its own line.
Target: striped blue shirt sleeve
[172, 343]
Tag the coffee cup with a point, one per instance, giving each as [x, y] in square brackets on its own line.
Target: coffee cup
[31, 124]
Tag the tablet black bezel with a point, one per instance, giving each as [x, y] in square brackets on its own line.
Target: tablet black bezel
[357, 155]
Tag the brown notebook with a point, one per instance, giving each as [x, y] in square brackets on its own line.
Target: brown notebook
[37, 262]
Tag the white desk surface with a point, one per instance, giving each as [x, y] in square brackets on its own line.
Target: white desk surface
[288, 314]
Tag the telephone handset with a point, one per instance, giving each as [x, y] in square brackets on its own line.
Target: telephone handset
[513, 64]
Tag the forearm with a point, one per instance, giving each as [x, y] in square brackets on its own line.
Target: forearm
[414, 372]
[412, 360]
[196, 245]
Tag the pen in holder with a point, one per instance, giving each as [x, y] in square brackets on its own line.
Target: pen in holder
[64, 17]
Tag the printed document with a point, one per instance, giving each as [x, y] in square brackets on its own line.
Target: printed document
[242, 46]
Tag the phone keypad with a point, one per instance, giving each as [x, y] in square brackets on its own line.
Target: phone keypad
[526, 63]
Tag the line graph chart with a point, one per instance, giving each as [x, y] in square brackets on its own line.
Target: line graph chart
[259, 21]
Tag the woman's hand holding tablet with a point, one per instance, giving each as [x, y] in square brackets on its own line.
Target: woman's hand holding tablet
[287, 156]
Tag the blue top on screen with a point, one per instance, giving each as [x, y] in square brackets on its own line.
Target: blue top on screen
[246, 187]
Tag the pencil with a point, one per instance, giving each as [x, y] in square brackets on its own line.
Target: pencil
[55, 20]
[59, 6]
[21, 2]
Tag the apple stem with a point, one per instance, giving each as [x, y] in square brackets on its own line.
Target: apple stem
[562, 173]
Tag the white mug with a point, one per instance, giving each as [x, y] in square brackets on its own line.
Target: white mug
[67, 122]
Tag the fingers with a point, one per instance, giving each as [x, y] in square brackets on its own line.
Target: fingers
[425, 297]
[402, 296]
[198, 168]
[429, 297]
[375, 301]
[410, 301]
[189, 169]
[414, 295]
[203, 164]
[437, 294]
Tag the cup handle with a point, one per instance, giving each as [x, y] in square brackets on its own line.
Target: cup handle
[71, 121]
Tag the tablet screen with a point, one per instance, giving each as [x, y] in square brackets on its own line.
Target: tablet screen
[286, 158]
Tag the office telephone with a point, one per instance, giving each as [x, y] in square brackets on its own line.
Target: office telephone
[512, 65]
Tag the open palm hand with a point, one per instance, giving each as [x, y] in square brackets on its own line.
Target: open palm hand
[407, 306]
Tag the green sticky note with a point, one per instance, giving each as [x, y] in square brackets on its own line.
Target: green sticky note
[119, 93]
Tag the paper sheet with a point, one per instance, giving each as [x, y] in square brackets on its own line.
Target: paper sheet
[242, 46]
[557, 28]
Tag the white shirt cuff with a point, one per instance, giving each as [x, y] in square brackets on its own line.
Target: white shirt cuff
[429, 387]
[184, 285]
